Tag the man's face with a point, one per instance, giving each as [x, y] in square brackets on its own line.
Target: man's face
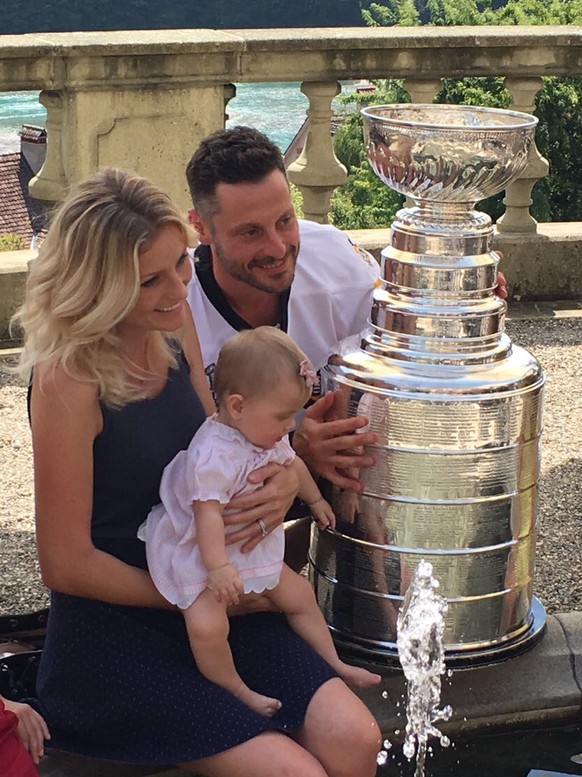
[254, 236]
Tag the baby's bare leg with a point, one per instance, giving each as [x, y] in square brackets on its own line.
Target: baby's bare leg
[207, 626]
[294, 596]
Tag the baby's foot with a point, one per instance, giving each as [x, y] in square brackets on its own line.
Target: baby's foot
[355, 675]
[261, 704]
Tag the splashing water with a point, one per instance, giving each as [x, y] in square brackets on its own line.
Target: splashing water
[382, 756]
[421, 623]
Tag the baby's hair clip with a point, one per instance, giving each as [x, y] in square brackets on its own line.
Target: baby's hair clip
[308, 373]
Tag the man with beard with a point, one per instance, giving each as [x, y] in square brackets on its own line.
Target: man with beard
[258, 264]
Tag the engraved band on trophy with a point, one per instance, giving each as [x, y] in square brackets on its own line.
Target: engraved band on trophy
[455, 404]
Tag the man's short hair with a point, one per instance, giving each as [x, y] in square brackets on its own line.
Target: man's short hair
[237, 155]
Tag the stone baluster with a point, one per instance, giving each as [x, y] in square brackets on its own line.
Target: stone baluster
[517, 217]
[422, 90]
[229, 93]
[149, 130]
[50, 183]
[317, 171]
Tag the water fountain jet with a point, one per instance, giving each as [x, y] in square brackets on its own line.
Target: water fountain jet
[420, 629]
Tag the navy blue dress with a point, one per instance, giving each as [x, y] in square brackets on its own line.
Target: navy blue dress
[120, 683]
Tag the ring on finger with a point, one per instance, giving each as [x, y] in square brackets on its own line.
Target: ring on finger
[262, 527]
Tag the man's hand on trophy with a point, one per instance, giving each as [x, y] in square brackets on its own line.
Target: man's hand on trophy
[328, 444]
[501, 288]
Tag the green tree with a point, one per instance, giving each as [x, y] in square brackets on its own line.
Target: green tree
[539, 12]
[363, 202]
[9, 241]
[296, 199]
[555, 198]
[401, 12]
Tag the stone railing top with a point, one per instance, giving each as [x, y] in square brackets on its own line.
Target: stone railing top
[95, 59]
[280, 38]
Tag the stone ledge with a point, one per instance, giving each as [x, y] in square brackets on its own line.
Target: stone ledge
[544, 309]
[544, 271]
[570, 623]
[538, 687]
[43, 60]
[538, 267]
[13, 270]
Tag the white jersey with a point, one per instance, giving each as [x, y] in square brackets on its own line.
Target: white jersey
[330, 297]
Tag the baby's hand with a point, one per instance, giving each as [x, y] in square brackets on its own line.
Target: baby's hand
[31, 728]
[348, 506]
[226, 584]
[323, 514]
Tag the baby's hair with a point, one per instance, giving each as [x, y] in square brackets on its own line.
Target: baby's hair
[254, 362]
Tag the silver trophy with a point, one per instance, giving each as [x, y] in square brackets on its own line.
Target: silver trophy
[456, 406]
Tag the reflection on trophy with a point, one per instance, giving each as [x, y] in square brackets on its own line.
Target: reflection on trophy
[456, 406]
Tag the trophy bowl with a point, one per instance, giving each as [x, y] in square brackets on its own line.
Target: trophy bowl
[447, 153]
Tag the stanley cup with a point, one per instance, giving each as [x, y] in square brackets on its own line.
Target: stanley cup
[455, 405]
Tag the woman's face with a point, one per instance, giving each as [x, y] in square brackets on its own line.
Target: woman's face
[165, 270]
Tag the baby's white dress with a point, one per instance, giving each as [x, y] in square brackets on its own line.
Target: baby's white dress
[216, 466]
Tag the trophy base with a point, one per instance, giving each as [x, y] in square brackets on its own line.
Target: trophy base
[385, 654]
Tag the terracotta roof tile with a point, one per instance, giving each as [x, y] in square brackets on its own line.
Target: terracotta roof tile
[32, 134]
[20, 214]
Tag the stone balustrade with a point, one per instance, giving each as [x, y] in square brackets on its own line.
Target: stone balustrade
[144, 99]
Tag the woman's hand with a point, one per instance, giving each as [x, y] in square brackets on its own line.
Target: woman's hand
[32, 729]
[330, 448]
[269, 503]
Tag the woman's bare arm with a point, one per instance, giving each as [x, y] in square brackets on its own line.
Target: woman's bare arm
[65, 419]
[32, 729]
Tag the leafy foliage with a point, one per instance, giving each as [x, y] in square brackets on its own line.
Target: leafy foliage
[297, 200]
[364, 202]
[9, 241]
[560, 140]
[558, 197]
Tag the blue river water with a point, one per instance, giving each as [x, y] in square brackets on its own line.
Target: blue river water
[278, 109]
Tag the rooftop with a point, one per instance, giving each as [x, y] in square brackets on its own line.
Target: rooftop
[20, 213]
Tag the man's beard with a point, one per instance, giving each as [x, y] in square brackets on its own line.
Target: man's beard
[275, 285]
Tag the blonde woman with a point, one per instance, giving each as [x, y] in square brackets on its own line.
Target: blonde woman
[117, 391]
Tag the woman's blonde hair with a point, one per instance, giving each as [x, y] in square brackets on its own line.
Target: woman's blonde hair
[86, 280]
[255, 361]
